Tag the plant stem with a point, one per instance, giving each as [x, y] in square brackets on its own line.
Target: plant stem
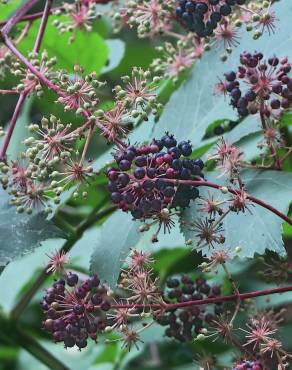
[11, 127]
[23, 95]
[73, 238]
[232, 191]
[30, 17]
[86, 145]
[26, 62]
[235, 291]
[8, 91]
[43, 26]
[228, 298]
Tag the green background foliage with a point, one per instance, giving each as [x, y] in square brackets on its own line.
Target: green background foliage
[190, 112]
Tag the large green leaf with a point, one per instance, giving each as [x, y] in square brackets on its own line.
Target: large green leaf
[117, 235]
[254, 232]
[88, 50]
[21, 234]
[7, 9]
[194, 106]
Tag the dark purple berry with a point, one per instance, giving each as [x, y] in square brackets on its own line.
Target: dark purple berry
[125, 165]
[139, 173]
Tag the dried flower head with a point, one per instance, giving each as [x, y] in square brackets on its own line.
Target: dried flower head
[57, 262]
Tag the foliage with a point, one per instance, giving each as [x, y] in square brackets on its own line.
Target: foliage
[145, 166]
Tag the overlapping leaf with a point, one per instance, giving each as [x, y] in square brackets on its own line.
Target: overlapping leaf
[21, 234]
[194, 105]
[256, 231]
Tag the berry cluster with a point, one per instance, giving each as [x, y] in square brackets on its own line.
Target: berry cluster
[203, 16]
[248, 365]
[269, 87]
[71, 311]
[140, 185]
[185, 323]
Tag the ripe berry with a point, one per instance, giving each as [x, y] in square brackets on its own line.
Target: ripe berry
[186, 149]
[72, 279]
[139, 173]
[141, 161]
[225, 9]
[125, 165]
[230, 76]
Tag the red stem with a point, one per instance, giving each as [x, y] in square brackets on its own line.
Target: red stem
[11, 127]
[242, 296]
[23, 96]
[31, 17]
[34, 16]
[43, 26]
[232, 191]
[35, 71]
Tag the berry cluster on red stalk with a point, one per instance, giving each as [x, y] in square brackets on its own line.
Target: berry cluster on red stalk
[139, 184]
[70, 313]
[259, 85]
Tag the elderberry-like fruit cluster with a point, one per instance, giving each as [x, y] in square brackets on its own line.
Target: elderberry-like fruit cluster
[269, 88]
[185, 323]
[140, 185]
[203, 17]
[248, 365]
[70, 310]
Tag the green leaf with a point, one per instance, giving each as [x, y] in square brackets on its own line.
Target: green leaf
[117, 235]
[21, 234]
[286, 119]
[254, 232]
[116, 54]
[7, 9]
[80, 52]
[193, 107]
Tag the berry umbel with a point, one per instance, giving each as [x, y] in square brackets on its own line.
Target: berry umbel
[139, 183]
[70, 310]
[259, 85]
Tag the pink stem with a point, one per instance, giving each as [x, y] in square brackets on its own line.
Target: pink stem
[43, 26]
[26, 62]
[11, 127]
[23, 96]
[31, 17]
[232, 191]
[8, 92]
[242, 296]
